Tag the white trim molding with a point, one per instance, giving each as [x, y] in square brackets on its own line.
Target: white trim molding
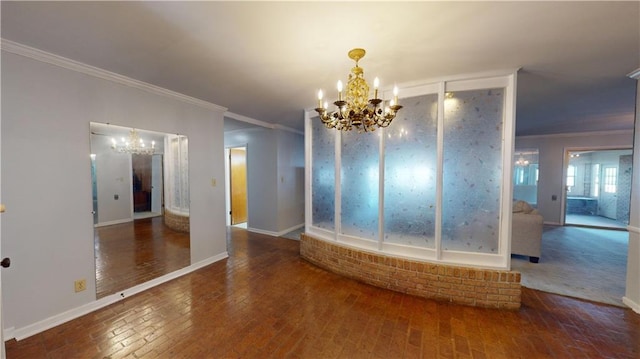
[48, 323]
[253, 121]
[43, 56]
[110, 223]
[635, 74]
[631, 304]
[275, 234]
[580, 134]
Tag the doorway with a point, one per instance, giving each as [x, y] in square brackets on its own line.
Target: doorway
[147, 188]
[238, 185]
[598, 188]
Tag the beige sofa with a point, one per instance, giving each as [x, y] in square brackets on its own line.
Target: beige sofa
[526, 231]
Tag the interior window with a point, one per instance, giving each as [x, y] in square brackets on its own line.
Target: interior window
[525, 176]
[595, 174]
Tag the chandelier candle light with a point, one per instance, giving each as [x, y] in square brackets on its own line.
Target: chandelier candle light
[134, 145]
[358, 111]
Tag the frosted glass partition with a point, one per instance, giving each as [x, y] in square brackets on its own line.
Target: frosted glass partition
[410, 170]
[472, 171]
[177, 184]
[359, 184]
[435, 185]
[323, 176]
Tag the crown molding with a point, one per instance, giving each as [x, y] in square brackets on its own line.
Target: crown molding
[634, 74]
[46, 57]
[580, 134]
[264, 124]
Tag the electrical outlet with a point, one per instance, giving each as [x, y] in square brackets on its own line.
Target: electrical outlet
[80, 285]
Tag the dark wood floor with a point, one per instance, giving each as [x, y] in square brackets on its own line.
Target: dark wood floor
[264, 301]
[132, 253]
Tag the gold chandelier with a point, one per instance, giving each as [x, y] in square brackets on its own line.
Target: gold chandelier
[358, 111]
[134, 144]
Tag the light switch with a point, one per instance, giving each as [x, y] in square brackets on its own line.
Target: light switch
[213, 182]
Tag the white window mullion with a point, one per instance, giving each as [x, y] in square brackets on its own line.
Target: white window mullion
[381, 189]
[337, 217]
[308, 140]
[439, 169]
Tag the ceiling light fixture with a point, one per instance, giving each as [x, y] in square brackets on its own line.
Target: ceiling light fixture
[134, 145]
[522, 162]
[358, 111]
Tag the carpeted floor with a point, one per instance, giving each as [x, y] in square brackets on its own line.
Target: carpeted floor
[579, 262]
[295, 234]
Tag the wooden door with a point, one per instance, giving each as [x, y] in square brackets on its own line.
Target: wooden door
[238, 180]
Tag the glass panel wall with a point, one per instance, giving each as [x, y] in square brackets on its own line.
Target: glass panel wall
[410, 170]
[441, 176]
[525, 176]
[359, 184]
[323, 176]
[472, 172]
[177, 174]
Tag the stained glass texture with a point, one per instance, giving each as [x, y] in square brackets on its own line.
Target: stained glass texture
[323, 176]
[410, 174]
[472, 171]
[359, 184]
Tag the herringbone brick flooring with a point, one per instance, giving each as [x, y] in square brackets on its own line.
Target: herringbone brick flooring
[266, 302]
[133, 253]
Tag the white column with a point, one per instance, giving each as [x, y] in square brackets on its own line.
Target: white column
[632, 295]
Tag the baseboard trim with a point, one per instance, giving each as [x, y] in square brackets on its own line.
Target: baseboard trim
[297, 226]
[275, 234]
[631, 304]
[110, 223]
[633, 229]
[262, 231]
[32, 329]
[552, 223]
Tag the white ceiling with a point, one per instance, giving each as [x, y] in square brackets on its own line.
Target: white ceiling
[266, 60]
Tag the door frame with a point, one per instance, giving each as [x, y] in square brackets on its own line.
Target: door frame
[227, 180]
[2, 349]
[565, 166]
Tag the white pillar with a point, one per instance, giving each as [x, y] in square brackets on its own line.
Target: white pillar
[632, 295]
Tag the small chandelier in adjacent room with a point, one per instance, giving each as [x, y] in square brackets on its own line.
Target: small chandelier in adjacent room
[357, 111]
[522, 162]
[134, 145]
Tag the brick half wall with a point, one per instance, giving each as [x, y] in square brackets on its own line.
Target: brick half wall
[176, 221]
[487, 288]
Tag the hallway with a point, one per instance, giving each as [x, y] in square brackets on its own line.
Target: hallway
[264, 301]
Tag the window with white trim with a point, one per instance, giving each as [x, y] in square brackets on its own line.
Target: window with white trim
[610, 179]
[571, 177]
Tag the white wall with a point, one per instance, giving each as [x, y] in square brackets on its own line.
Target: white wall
[46, 110]
[632, 294]
[113, 174]
[551, 162]
[262, 160]
[275, 177]
[290, 180]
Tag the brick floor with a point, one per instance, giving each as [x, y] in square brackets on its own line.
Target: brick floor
[264, 301]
